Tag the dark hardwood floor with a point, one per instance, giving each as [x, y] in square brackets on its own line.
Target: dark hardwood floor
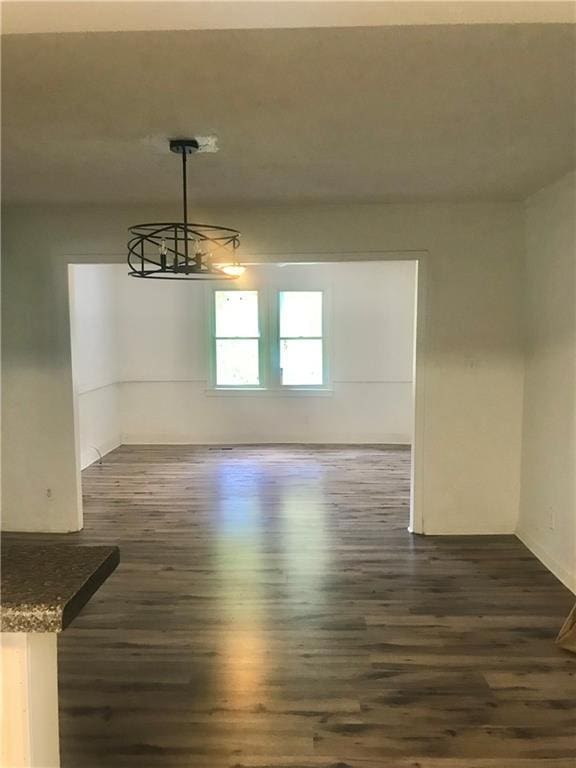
[271, 610]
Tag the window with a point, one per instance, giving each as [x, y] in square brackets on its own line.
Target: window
[301, 354]
[268, 340]
[237, 337]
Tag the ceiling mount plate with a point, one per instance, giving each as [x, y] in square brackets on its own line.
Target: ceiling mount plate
[184, 146]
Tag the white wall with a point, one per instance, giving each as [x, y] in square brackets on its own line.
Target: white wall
[95, 350]
[469, 373]
[370, 325]
[547, 522]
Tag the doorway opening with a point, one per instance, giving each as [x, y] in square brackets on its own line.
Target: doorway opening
[146, 359]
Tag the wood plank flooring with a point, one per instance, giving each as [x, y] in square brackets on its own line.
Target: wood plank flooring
[271, 611]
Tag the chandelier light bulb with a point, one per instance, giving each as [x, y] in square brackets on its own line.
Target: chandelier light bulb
[233, 270]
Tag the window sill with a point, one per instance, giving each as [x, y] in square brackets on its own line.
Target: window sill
[268, 392]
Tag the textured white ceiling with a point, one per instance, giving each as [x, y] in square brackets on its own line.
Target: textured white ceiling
[401, 113]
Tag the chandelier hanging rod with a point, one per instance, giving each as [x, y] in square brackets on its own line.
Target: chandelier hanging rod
[184, 151]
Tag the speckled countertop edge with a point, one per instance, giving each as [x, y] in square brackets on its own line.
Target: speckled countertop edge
[45, 586]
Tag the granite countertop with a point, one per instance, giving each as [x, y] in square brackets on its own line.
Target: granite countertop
[45, 586]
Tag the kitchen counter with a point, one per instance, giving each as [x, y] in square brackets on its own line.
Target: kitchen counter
[44, 586]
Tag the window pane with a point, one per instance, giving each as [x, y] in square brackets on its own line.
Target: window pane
[300, 313]
[237, 363]
[237, 313]
[301, 361]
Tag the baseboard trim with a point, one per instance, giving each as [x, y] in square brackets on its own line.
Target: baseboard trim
[550, 562]
[105, 448]
[132, 439]
[493, 531]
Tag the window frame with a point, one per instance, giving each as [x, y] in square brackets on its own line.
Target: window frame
[270, 375]
[214, 339]
[275, 354]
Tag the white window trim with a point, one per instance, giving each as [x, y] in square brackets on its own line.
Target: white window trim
[275, 356]
[213, 339]
[269, 347]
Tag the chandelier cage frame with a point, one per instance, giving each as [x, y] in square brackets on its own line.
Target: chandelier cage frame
[181, 250]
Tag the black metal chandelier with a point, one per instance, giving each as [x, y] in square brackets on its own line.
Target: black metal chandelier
[182, 250]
